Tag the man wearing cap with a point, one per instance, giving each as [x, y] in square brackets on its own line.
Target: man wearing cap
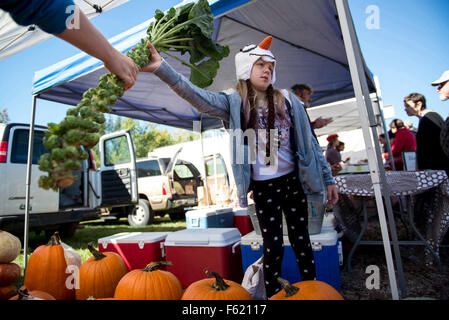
[332, 154]
[443, 90]
[304, 93]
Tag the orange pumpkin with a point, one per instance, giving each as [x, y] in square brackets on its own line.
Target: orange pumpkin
[24, 294]
[100, 274]
[46, 271]
[7, 291]
[149, 284]
[306, 290]
[9, 273]
[215, 289]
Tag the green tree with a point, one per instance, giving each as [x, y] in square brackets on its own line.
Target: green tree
[146, 136]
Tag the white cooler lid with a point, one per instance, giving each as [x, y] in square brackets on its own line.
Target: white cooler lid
[241, 212]
[327, 237]
[211, 237]
[208, 211]
[133, 237]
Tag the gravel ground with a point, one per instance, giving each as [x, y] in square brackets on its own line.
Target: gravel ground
[421, 282]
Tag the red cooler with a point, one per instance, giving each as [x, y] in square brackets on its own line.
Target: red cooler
[137, 249]
[242, 220]
[193, 251]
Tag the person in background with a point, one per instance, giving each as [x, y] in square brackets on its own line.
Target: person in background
[332, 154]
[304, 93]
[442, 85]
[429, 154]
[340, 148]
[51, 16]
[404, 140]
[409, 125]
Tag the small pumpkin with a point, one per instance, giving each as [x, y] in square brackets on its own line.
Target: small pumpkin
[9, 247]
[24, 294]
[215, 289]
[100, 274]
[46, 271]
[149, 284]
[9, 273]
[7, 291]
[306, 290]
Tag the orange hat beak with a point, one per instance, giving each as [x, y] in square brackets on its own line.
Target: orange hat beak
[266, 43]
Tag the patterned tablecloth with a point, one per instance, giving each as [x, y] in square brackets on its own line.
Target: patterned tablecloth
[429, 190]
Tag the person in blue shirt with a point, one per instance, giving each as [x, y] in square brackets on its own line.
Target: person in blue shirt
[54, 17]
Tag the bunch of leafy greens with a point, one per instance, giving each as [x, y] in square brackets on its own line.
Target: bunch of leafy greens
[186, 28]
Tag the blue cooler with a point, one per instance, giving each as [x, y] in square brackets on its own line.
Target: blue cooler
[326, 250]
[210, 217]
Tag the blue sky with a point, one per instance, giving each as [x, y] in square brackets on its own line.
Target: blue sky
[407, 52]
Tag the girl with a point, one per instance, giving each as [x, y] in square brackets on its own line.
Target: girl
[289, 163]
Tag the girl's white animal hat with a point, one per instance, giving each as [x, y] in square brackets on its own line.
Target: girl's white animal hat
[245, 59]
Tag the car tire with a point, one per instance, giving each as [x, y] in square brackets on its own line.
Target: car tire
[142, 215]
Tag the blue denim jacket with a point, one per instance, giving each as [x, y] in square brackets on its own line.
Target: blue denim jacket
[313, 170]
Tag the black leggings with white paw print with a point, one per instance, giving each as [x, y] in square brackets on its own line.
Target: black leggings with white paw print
[272, 197]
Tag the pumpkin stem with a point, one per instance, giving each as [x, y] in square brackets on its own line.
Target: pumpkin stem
[153, 266]
[55, 240]
[290, 290]
[97, 254]
[220, 284]
[22, 292]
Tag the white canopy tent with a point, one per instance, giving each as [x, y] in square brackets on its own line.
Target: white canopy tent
[314, 42]
[15, 38]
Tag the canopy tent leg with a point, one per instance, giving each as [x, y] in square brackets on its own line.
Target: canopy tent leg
[200, 131]
[378, 176]
[28, 184]
[384, 124]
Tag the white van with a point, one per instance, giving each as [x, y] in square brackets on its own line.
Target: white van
[114, 184]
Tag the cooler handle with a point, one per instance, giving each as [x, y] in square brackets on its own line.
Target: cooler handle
[194, 222]
[162, 245]
[235, 245]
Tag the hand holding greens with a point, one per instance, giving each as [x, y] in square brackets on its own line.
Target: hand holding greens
[187, 28]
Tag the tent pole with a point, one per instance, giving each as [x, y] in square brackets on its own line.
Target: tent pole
[378, 176]
[384, 124]
[28, 184]
[204, 163]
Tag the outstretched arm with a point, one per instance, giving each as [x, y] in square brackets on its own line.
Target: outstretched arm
[212, 103]
[91, 41]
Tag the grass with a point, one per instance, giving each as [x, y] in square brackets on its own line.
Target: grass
[93, 230]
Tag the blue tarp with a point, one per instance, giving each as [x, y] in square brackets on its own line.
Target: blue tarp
[307, 43]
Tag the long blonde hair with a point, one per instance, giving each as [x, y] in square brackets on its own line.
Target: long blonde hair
[250, 102]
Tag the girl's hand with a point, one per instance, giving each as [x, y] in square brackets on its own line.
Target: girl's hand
[332, 194]
[155, 59]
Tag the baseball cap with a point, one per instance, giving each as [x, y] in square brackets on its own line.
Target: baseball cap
[444, 77]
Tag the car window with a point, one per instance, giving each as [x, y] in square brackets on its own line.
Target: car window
[116, 151]
[19, 151]
[211, 167]
[183, 171]
[148, 168]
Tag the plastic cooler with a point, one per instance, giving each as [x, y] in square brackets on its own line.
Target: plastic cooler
[326, 250]
[137, 249]
[242, 220]
[193, 251]
[210, 217]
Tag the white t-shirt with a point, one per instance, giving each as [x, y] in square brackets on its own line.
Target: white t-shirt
[284, 161]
